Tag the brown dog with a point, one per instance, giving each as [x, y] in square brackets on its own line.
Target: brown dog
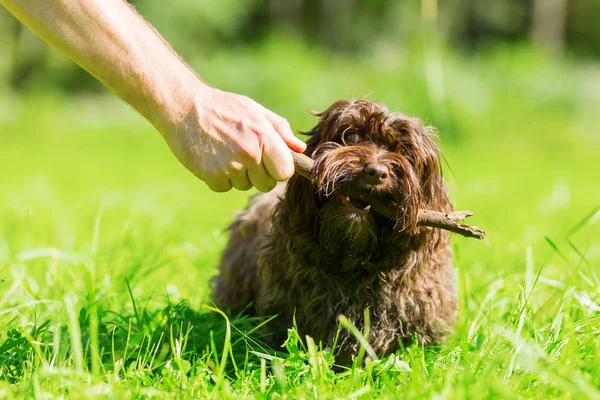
[317, 252]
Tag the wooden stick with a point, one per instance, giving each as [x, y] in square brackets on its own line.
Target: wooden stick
[434, 219]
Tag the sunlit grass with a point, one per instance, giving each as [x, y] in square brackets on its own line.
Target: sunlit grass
[107, 244]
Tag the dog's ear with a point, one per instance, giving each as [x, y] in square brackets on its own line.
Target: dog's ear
[418, 144]
[301, 199]
[327, 127]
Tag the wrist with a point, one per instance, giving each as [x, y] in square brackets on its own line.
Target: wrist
[171, 97]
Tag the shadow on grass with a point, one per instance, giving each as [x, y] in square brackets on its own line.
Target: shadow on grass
[168, 343]
[178, 337]
[175, 337]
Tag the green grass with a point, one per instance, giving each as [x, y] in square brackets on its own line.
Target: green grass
[107, 244]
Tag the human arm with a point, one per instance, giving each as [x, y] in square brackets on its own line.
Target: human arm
[222, 138]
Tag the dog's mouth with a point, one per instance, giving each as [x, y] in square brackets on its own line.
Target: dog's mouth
[355, 202]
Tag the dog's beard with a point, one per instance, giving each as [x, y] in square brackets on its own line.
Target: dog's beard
[346, 230]
[345, 224]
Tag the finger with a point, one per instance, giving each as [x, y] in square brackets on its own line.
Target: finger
[277, 157]
[260, 178]
[236, 172]
[219, 184]
[240, 181]
[282, 127]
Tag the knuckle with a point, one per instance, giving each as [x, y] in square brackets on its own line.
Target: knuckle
[243, 126]
[234, 168]
[240, 125]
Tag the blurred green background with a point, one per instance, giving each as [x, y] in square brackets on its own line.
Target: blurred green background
[379, 30]
[512, 85]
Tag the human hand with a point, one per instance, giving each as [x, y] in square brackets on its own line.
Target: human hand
[224, 139]
[228, 140]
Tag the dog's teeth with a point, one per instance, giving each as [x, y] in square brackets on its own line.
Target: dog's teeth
[368, 207]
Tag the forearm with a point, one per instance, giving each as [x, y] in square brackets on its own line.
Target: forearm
[113, 43]
[226, 140]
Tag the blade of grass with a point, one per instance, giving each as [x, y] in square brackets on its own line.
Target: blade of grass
[226, 345]
[359, 336]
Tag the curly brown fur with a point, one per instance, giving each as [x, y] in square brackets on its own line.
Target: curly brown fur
[323, 253]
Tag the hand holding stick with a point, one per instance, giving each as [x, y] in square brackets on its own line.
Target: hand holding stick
[430, 218]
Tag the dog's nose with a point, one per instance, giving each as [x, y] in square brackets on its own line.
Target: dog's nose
[376, 173]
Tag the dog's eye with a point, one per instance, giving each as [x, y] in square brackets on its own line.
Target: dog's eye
[352, 138]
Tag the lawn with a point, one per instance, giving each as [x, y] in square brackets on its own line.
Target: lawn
[107, 245]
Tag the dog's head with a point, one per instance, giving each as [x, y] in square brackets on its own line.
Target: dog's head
[361, 148]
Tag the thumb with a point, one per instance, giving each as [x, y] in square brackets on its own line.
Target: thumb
[282, 127]
[277, 157]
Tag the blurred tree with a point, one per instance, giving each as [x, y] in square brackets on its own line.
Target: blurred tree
[583, 29]
[486, 21]
[196, 28]
[28, 56]
[549, 23]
